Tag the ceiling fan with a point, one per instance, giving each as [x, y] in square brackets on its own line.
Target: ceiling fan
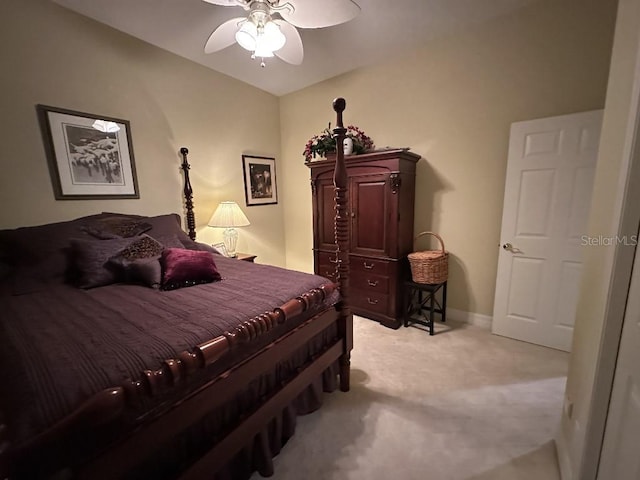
[270, 27]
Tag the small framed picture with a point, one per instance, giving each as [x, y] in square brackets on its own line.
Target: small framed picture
[260, 186]
[221, 249]
[90, 156]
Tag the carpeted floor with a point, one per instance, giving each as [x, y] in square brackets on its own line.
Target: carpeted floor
[461, 405]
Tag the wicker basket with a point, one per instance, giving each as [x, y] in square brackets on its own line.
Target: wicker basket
[429, 266]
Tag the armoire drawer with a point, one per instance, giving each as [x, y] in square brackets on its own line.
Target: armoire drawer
[372, 301]
[369, 282]
[327, 258]
[328, 271]
[367, 264]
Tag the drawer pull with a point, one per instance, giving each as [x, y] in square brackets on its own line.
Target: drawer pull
[329, 274]
[368, 266]
[333, 260]
[372, 284]
[372, 302]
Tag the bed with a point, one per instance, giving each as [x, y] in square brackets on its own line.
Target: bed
[200, 378]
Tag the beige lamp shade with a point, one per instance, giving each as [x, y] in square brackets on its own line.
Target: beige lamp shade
[229, 215]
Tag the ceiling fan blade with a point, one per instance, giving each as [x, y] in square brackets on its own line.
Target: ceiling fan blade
[226, 3]
[224, 35]
[319, 13]
[292, 52]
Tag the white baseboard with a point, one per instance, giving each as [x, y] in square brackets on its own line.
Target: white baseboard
[478, 319]
[564, 462]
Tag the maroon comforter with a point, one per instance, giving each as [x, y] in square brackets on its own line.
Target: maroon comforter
[60, 345]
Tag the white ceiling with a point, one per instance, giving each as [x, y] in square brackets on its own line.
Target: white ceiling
[383, 29]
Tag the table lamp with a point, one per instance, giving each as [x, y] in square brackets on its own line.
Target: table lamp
[229, 215]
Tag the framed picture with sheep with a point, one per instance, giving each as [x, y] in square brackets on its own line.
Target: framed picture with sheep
[90, 156]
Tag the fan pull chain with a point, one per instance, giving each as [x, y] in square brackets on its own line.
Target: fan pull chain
[262, 64]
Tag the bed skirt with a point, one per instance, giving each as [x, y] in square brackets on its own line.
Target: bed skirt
[258, 452]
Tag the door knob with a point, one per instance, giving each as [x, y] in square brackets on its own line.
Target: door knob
[507, 246]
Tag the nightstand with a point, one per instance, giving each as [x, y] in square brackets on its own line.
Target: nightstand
[247, 257]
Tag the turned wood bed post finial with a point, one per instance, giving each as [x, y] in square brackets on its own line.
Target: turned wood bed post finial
[341, 230]
[341, 208]
[188, 194]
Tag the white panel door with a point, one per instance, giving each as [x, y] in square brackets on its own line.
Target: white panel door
[620, 455]
[550, 173]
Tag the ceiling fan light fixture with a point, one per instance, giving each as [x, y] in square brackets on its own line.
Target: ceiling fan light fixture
[273, 37]
[264, 36]
[262, 50]
[247, 36]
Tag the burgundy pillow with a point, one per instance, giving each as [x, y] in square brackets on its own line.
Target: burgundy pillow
[185, 268]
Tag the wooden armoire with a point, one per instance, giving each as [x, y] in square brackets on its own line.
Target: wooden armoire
[381, 203]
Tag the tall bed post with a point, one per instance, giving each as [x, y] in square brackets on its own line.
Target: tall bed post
[188, 194]
[340, 183]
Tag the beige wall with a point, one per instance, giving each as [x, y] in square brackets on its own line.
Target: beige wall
[453, 102]
[604, 220]
[55, 57]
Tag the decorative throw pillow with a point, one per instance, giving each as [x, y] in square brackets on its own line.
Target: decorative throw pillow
[117, 227]
[146, 271]
[142, 247]
[139, 261]
[185, 268]
[90, 261]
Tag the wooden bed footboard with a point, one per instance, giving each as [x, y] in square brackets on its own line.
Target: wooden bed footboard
[120, 459]
[110, 403]
[137, 448]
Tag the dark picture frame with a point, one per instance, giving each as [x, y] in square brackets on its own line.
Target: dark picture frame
[90, 156]
[260, 185]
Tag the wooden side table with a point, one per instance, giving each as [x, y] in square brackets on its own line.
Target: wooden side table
[247, 257]
[420, 301]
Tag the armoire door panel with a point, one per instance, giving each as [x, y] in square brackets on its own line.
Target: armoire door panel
[325, 229]
[369, 214]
